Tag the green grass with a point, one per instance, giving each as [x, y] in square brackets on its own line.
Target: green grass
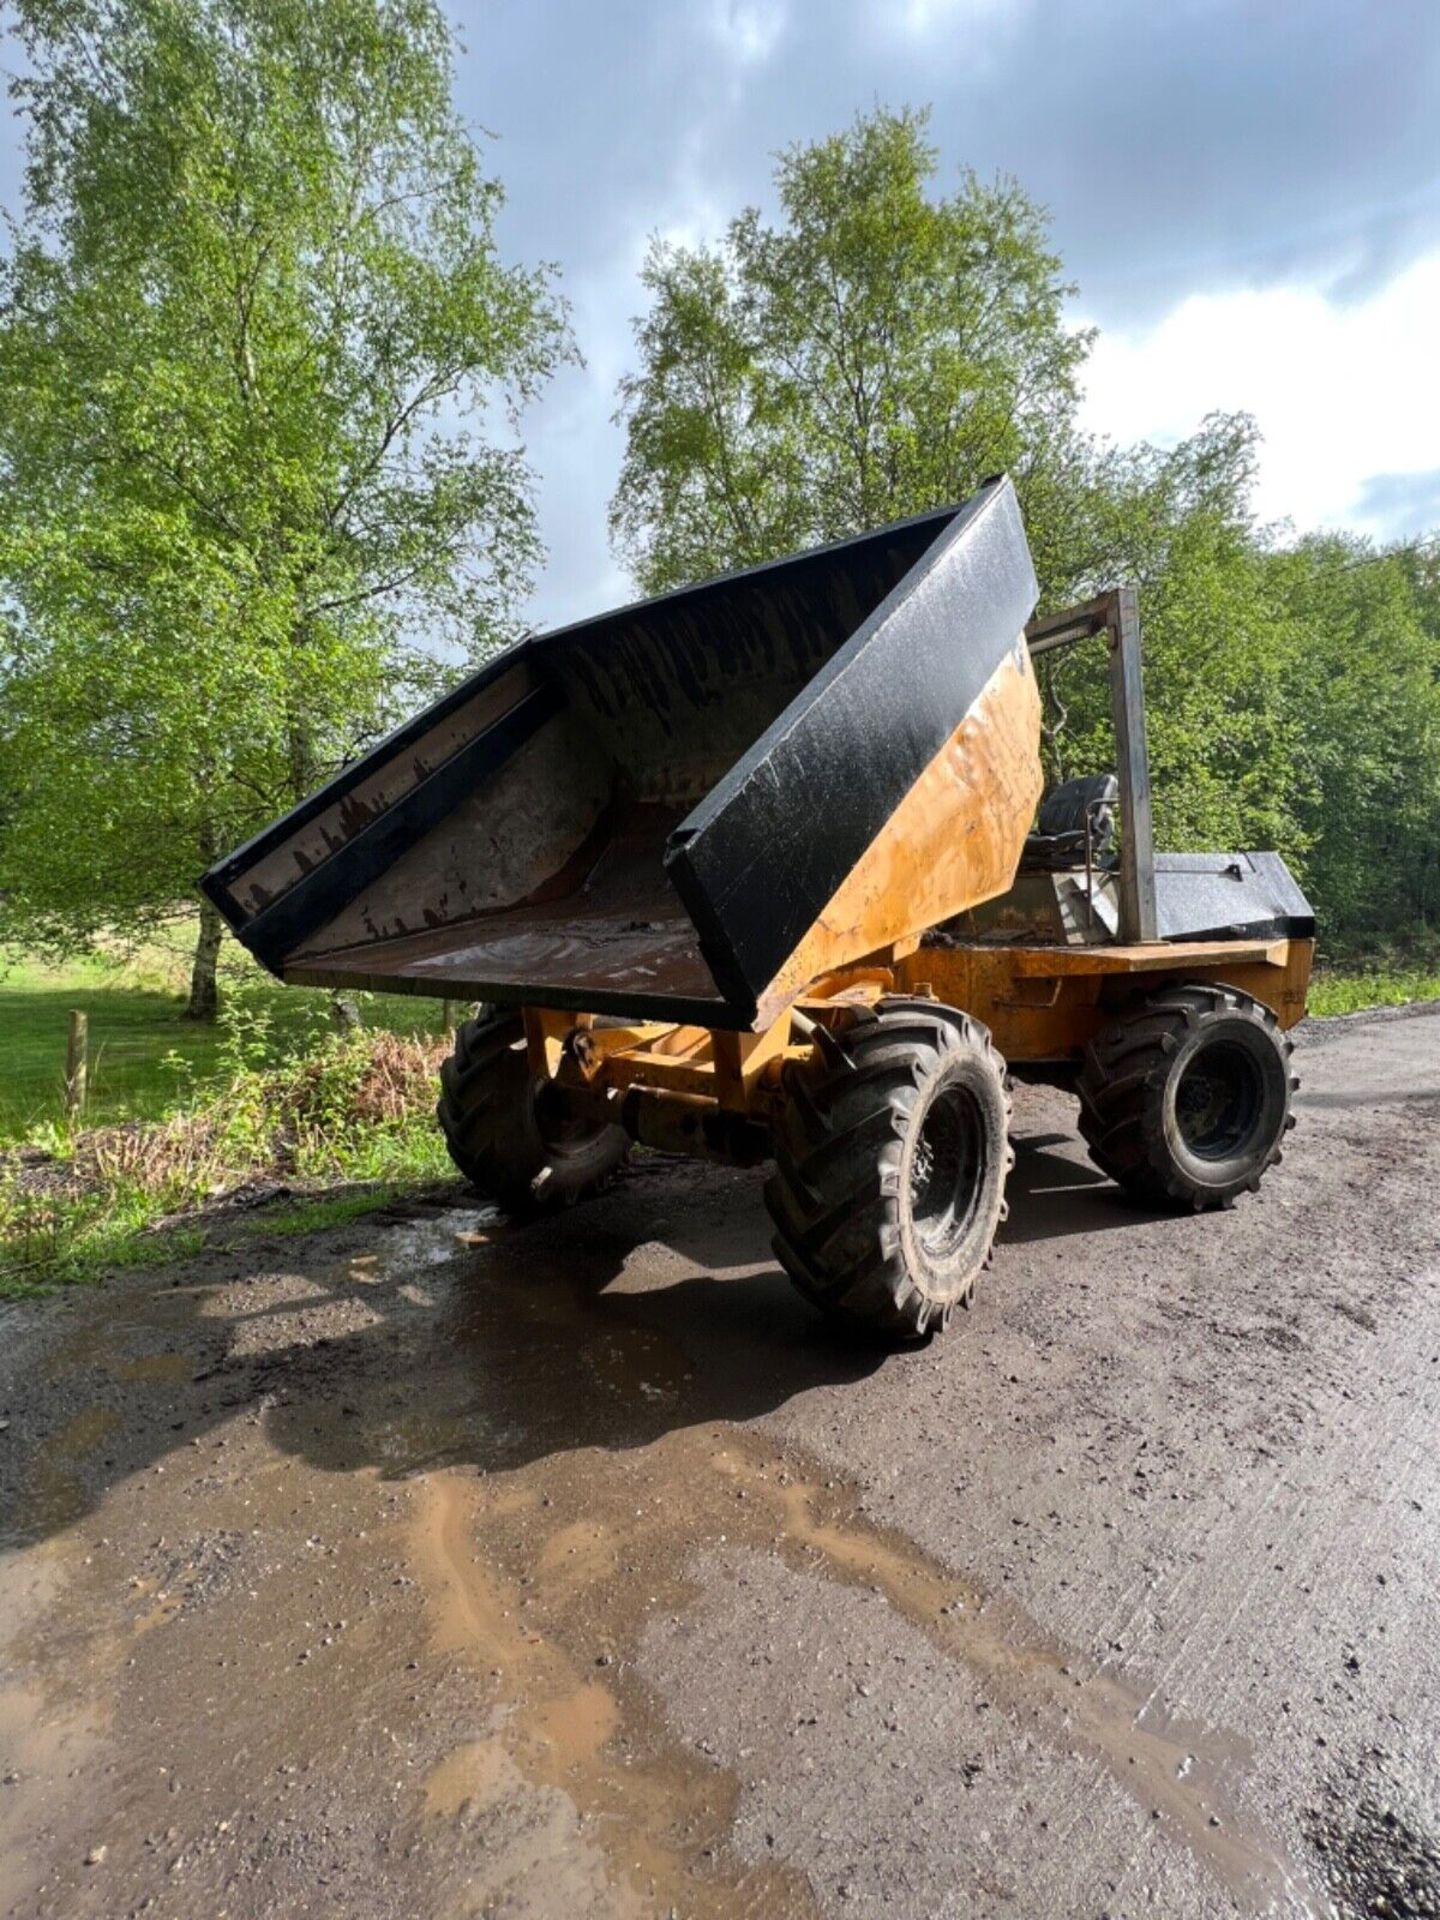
[117, 1235]
[77, 1240]
[145, 1056]
[1337, 992]
[271, 1092]
[348, 1119]
[1381, 970]
[325, 1211]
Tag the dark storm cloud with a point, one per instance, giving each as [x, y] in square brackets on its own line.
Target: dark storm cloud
[1178, 144]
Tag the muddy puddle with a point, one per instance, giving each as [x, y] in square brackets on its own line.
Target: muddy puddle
[550, 1609]
[509, 1470]
[543, 1579]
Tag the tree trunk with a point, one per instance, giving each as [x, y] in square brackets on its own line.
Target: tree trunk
[204, 995]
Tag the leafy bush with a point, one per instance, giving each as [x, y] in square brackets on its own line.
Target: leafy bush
[355, 1106]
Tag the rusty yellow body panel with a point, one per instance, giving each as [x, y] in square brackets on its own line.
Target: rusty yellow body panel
[1047, 1003]
[1043, 1005]
[953, 841]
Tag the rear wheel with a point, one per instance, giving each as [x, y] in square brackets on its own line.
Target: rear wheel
[1186, 1102]
[505, 1130]
[891, 1151]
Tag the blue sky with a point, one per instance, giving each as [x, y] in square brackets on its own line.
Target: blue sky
[1247, 191]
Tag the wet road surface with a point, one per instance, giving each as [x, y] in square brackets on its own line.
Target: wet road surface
[429, 1567]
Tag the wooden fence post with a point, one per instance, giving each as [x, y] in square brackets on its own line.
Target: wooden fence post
[76, 1063]
[345, 1013]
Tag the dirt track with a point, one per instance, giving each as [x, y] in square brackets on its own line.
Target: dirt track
[430, 1569]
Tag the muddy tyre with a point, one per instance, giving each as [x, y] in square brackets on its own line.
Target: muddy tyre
[891, 1152]
[502, 1130]
[1186, 1101]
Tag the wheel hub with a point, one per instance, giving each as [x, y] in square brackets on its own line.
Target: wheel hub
[1219, 1100]
[946, 1170]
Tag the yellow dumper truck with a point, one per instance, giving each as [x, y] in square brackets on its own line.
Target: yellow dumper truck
[762, 870]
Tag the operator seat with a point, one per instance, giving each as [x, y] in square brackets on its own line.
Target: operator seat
[1057, 843]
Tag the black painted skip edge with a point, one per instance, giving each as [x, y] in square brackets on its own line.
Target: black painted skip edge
[215, 883]
[277, 930]
[722, 859]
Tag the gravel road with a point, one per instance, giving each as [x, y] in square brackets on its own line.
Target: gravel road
[433, 1568]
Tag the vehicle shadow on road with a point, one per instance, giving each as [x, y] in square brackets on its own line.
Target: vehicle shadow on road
[443, 1339]
[1053, 1194]
[447, 1339]
[606, 1328]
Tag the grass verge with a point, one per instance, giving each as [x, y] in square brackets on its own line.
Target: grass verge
[356, 1108]
[1335, 992]
[145, 1056]
[1391, 971]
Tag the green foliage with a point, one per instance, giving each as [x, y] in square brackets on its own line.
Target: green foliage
[877, 352]
[52, 1241]
[1293, 700]
[881, 349]
[145, 1057]
[1364, 688]
[1222, 728]
[263, 366]
[337, 1104]
[1332, 993]
[350, 1108]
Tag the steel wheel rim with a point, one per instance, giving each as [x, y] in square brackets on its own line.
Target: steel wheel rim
[947, 1169]
[1220, 1101]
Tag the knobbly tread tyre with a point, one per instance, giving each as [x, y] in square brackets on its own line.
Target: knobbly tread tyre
[1128, 1084]
[842, 1198]
[492, 1126]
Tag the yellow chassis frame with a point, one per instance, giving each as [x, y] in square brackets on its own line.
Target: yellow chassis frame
[1042, 1004]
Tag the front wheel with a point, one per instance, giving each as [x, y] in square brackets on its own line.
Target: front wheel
[891, 1151]
[1186, 1101]
[505, 1132]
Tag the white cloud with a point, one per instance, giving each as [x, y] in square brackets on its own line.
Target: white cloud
[748, 30]
[921, 18]
[1342, 392]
